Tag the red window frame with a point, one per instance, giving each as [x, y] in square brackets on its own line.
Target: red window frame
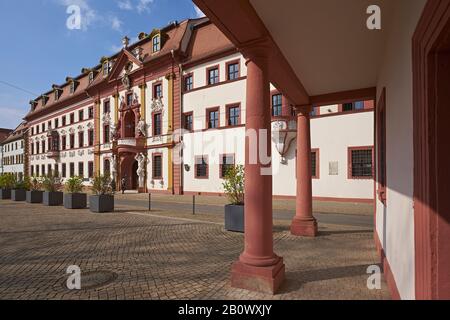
[154, 155]
[221, 163]
[199, 159]
[208, 111]
[228, 107]
[208, 78]
[238, 62]
[349, 162]
[317, 152]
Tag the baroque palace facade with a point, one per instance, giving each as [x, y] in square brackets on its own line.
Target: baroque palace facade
[167, 113]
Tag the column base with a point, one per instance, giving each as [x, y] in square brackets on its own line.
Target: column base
[260, 279]
[304, 227]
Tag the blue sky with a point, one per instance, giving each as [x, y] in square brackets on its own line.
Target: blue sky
[38, 49]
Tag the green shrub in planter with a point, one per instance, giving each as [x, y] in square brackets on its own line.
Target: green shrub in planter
[52, 195]
[74, 198]
[7, 182]
[102, 199]
[233, 186]
[19, 190]
[35, 193]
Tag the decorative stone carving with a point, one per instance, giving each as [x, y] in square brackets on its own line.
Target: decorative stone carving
[90, 125]
[113, 133]
[113, 164]
[80, 152]
[141, 128]
[141, 159]
[157, 105]
[90, 151]
[71, 130]
[72, 154]
[126, 80]
[63, 132]
[106, 118]
[80, 127]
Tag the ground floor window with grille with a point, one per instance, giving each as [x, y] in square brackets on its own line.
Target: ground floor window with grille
[226, 162]
[201, 167]
[315, 163]
[157, 166]
[361, 163]
[72, 169]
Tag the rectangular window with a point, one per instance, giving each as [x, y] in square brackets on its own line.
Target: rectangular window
[72, 118]
[37, 170]
[81, 169]
[56, 123]
[360, 163]
[201, 167]
[63, 120]
[91, 112]
[347, 107]
[157, 91]
[72, 141]
[49, 169]
[43, 127]
[80, 115]
[91, 137]
[156, 43]
[91, 169]
[226, 162]
[80, 139]
[63, 143]
[106, 106]
[32, 170]
[213, 118]
[32, 148]
[213, 75]
[106, 167]
[232, 70]
[233, 115]
[277, 104]
[32, 130]
[157, 166]
[129, 99]
[188, 82]
[63, 170]
[157, 125]
[71, 169]
[188, 121]
[315, 164]
[43, 169]
[37, 147]
[49, 125]
[106, 134]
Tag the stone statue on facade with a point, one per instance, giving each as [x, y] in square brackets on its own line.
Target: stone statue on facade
[140, 158]
[141, 128]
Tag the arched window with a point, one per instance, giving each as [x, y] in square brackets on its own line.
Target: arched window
[129, 123]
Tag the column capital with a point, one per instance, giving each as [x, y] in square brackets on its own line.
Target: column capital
[256, 50]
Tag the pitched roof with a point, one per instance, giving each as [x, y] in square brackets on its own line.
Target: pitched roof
[172, 36]
[15, 134]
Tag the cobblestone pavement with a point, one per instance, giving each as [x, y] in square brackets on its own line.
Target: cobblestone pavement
[137, 255]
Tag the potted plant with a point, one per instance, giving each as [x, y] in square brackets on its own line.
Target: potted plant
[19, 191]
[233, 186]
[6, 184]
[102, 199]
[74, 198]
[35, 193]
[52, 195]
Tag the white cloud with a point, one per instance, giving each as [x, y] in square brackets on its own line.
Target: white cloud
[199, 13]
[125, 5]
[144, 5]
[116, 23]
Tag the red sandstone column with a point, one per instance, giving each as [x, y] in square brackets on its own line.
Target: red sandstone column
[258, 268]
[304, 223]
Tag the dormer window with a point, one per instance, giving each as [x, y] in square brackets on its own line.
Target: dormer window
[156, 43]
[33, 104]
[105, 68]
[44, 100]
[72, 87]
[57, 92]
[91, 77]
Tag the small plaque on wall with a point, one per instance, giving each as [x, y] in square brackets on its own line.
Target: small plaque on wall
[334, 168]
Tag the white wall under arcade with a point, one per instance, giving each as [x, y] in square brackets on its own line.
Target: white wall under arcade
[332, 136]
[395, 222]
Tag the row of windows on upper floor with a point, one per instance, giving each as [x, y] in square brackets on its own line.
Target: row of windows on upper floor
[11, 160]
[62, 143]
[13, 146]
[233, 72]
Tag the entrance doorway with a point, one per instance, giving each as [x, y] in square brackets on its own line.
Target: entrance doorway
[134, 176]
[431, 52]
[128, 170]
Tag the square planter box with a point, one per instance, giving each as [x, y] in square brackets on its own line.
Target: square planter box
[18, 195]
[75, 200]
[34, 196]
[53, 198]
[102, 203]
[234, 218]
[5, 194]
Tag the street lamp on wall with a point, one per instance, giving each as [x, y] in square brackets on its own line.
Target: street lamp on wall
[284, 131]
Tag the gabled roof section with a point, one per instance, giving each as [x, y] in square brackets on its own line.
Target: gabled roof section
[16, 134]
[124, 57]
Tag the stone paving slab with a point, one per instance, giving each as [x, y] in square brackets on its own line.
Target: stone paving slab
[158, 257]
